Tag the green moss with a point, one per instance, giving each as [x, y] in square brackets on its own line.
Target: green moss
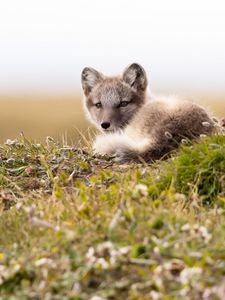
[74, 226]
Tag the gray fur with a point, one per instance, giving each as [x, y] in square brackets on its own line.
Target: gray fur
[110, 92]
[135, 76]
[142, 128]
[90, 78]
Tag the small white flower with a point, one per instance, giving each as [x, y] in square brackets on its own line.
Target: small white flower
[186, 227]
[42, 261]
[204, 233]
[165, 244]
[195, 254]
[189, 273]
[49, 139]
[10, 160]
[17, 267]
[184, 141]
[183, 292]
[113, 253]
[180, 197]
[11, 142]
[168, 135]
[158, 281]
[18, 205]
[90, 253]
[97, 298]
[76, 287]
[155, 295]
[202, 136]
[156, 250]
[159, 269]
[30, 209]
[103, 263]
[104, 246]
[113, 260]
[142, 189]
[42, 285]
[2, 268]
[206, 124]
[124, 250]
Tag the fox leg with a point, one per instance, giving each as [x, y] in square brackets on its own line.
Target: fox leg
[121, 145]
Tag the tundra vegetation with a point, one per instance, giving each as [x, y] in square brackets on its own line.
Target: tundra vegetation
[77, 226]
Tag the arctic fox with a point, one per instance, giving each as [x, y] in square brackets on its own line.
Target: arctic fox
[134, 126]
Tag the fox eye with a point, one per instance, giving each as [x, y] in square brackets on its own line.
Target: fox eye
[98, 105]
[123, 103]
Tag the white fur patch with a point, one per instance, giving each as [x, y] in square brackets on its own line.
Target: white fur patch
[172, 101]
[117, 143]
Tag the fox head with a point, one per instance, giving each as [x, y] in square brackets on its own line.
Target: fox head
[111, 102]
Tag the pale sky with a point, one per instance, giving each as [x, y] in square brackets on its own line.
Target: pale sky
[44, 44]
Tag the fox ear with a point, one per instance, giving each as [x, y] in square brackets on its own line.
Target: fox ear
[89, 78]
[135, 76]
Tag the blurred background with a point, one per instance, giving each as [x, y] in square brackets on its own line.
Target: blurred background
[45, 44]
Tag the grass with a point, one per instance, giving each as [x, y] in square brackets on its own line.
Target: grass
[76, 226]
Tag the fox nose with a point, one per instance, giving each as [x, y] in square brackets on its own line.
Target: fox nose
[105, 125]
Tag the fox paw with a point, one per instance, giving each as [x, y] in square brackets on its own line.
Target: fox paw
[103, 145]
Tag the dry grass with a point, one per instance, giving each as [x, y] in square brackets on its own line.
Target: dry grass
[74, 226]
[56, 116]
[38, 118]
